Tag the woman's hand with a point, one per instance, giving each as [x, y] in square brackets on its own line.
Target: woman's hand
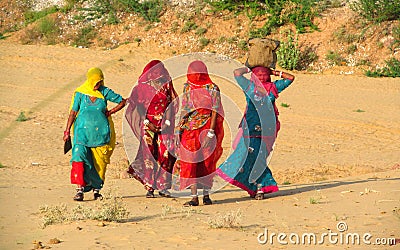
[209, 138]
[153, 128]
[66, 136]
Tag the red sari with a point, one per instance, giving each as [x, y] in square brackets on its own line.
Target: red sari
[200, 97]
[153, 99]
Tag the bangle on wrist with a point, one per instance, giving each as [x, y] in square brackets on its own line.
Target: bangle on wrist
[210, 133]
[280, 74]
[248, 70]
[66, 132]
[146, 122]
[167, 122]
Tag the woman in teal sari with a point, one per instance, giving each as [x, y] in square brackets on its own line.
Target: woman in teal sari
[247, 167]
[94, 136]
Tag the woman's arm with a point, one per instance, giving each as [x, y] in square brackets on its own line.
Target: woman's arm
[243, 82]
[241, 71]
[71, 119]
[283, 75]
[116, 108]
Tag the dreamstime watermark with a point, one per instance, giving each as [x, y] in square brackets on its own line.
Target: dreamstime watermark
[341, 237]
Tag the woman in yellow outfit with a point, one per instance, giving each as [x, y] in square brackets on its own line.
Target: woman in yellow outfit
[93, 129]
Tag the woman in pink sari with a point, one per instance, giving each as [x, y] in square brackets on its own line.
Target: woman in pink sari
[201, 132]
[151, 115]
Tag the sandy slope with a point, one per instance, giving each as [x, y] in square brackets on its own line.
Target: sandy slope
[325, 149]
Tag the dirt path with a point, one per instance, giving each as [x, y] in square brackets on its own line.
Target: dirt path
[340, 133]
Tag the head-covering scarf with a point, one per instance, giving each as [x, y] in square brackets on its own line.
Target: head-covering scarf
[197, 75]
[93, 76]
[267, 85]
[143, 93]
[154, 70]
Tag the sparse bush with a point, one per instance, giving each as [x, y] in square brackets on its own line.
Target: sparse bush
[229, 220]
[285, 105]
[396, 36]
[307, 56]
[335, 59]
[351, 49]
[2, 166]
[169, 212]
[392, 69]
[343, 37]
[201, 31]
[54, 215]
[150, 10]
[85, 36]
[32, 16]
[22, 117]
[188, 26]
[314, 200]
[48, 28]
[243, 45]
[111, 208]
[377, 11]
[288, 53]
[174, 26]
[204, 42]
[280, 12]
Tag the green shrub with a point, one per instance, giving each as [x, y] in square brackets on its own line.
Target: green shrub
[204, 42]
[174, 26]
[48, 27]
[396, 36]
[392, 69]
[188, 26]
[32, 16]
[288, 53]
[85, 36]
[200, 31]
[22, 117]
[243, 45]
[150, 10]
[307, 56]
[343, 37]
[300, 13]
[377, 11]
[335, 58]
[351, 49]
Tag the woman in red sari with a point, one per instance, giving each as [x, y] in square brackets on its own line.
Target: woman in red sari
[201, 132]
[151, 115]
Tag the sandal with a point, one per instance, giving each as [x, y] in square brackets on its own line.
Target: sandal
[150, 194]
[207, 200]
[78, 196]
[97, 195]
[192, 203]
[259, 196]
[165, 193]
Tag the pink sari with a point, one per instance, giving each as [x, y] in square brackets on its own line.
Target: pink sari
[153, 99]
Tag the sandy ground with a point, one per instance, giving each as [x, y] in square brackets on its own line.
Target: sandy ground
[336, 160]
